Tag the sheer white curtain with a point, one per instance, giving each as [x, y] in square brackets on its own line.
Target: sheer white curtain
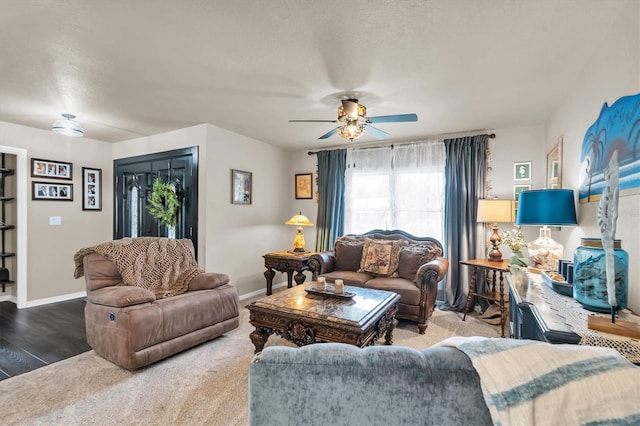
[396, 187]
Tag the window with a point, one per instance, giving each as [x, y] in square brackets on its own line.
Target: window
[396, 187]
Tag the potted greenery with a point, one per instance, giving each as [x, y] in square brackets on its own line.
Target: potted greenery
[163, 205]
[515, 240]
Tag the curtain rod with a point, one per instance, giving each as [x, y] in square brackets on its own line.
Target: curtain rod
[490, 136]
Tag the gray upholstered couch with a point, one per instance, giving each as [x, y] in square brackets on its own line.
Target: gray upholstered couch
[420, 266]
[338, 384]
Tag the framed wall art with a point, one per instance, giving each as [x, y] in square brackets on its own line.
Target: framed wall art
[91, 189]
[517, 189]
[614, 130]
[51, 169]
[554, 166]
[51, 191]
[522, 170]
[304, 186]
[240, 187]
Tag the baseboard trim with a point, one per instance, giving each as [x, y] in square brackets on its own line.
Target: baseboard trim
[260, 292]
[46, 301]
[9, 298]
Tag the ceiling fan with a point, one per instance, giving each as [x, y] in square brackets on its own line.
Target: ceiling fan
[353, 117]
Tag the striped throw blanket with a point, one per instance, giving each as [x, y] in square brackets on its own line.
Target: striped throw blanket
[527, 382]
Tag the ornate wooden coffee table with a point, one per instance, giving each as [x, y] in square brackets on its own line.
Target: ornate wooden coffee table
[304, 318]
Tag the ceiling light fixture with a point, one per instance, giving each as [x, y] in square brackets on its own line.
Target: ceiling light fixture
[67, 126]
[352, 130]
[354, 118]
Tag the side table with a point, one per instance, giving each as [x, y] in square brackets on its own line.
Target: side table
[498, 269]
[286, 261]
[537, 312]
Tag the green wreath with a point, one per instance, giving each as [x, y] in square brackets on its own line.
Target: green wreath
[163, 204]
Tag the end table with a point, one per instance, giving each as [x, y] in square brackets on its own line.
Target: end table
[289, 262]
[493, 295]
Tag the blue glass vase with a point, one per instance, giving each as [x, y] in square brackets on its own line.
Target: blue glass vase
[590, 275]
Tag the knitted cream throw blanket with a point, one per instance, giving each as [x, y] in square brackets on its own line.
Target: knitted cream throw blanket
[164, 266]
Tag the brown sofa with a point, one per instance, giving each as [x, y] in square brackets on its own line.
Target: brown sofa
[132, 327]
[414, 275]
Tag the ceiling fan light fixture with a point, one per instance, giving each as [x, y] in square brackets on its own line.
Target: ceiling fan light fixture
[342, 113]
[352, 130]
[67, 126]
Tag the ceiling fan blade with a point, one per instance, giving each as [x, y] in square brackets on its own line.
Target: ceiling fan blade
[350, 108]
[393, 118]
[329, 134]
[313, 121]
[376, 133]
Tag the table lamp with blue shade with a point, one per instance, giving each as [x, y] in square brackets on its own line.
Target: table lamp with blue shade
[546, 207]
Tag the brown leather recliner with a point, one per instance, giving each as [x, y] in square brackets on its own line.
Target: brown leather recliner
[132, 328]
[415, 277]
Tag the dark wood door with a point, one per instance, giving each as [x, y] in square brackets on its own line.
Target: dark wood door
[133, 180]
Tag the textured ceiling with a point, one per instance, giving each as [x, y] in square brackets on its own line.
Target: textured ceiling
[130, 68]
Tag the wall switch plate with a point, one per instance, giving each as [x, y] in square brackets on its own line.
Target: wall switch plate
[55, 220]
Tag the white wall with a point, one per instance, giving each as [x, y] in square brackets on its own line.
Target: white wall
[613, 72]
[237, 236]
[301, 162]
[515, 145]
[50, 249]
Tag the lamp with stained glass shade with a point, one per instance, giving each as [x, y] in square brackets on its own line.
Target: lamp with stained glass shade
[299, 221]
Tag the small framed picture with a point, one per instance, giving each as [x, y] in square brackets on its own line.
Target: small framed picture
[304, 186]
[517, 189]
[522, 170]
[240, 187]
[91, 189]
[51, 169]
[51, 191]
[554, 166]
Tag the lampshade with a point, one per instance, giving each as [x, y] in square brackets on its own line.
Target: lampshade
[551, 207]
[492, 211]
[299, 220]
[67, 126]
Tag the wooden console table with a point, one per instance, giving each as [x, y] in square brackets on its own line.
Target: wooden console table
[498, 268]
[286, 261]
[537, 312]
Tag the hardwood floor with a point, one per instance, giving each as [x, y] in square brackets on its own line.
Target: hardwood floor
[34, 337]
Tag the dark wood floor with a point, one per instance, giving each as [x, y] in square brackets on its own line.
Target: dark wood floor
[34, 337]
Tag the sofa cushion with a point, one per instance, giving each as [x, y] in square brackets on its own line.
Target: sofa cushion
[354, 278]
[348, 252]
[381, 257]
[413, 256]
[408, 291]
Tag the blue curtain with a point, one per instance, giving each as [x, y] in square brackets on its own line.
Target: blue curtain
[330, 220]
[465, 175]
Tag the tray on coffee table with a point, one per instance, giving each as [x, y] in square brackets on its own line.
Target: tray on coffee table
[330, 293]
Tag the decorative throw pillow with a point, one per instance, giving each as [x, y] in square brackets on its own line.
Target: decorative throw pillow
[413, 257]
[381, 257]
[348, 252]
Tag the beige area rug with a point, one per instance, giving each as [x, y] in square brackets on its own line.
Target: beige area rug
[206, 385]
